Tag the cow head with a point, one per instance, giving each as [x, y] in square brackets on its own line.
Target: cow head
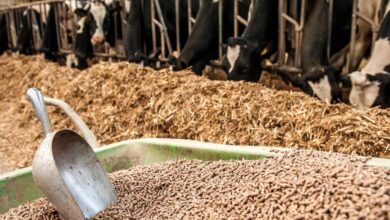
[368, 90]
[320, 81]
[97, 16]
[323, 83]
[243, 60]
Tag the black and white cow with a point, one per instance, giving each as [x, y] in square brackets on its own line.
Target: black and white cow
[245, 54]
[374, 10]
[38, 31]
[95, 27]
[31, 28]
[3, 34]
[202, 44]
[138, 45]
[318, 78]
[371, 85]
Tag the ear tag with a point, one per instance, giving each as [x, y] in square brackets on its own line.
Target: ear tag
[265, 51]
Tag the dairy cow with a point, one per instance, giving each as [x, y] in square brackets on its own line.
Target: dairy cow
[138, 45]
[374, 10]
[96, 25]
[371, 85]
[318, 77]
[38, 31]
[202, 44]
[3, 34]
[31, 28]
[245, 54]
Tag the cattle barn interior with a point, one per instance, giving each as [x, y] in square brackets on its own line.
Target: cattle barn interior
[195, 109]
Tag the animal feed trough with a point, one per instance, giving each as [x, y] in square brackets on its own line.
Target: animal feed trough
[297, 185]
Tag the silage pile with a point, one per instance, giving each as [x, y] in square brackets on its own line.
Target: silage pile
[122, 101]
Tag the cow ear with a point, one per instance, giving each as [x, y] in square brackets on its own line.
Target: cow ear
[81, 12]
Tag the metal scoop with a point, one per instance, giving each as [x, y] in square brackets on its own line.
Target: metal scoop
[67, 171]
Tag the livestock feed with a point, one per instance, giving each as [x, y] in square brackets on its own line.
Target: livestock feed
[298, 185]
[120, 101]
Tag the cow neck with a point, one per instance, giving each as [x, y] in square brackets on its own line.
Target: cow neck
[263, 17]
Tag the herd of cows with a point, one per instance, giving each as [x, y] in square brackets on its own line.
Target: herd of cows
[323, 70]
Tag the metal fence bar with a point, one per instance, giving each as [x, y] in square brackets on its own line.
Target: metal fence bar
[374, 26]
[24, 4]
[238, 19]
[330, 23]
[220, 27]
[160, 23]
[152, 13]
[281, 35]
[298, 30]
[177, 18]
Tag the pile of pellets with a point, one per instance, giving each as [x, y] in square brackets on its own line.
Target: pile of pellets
[120, 101]
[297, 185]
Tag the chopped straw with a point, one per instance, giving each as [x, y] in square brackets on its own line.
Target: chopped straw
[120, 101]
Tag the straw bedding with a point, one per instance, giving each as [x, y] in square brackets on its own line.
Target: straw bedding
[298, 185]
[121, 101]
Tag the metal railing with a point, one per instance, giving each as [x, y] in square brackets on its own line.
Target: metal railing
[374, 27]
[14, 18]
[297, 21]
[239, 19]
[159, 22]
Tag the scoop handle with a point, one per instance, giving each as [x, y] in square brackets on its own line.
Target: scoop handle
[36, 99]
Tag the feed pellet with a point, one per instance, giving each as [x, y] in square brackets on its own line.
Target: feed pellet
[298, 185]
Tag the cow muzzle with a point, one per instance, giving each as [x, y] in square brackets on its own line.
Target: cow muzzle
[97, 40]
